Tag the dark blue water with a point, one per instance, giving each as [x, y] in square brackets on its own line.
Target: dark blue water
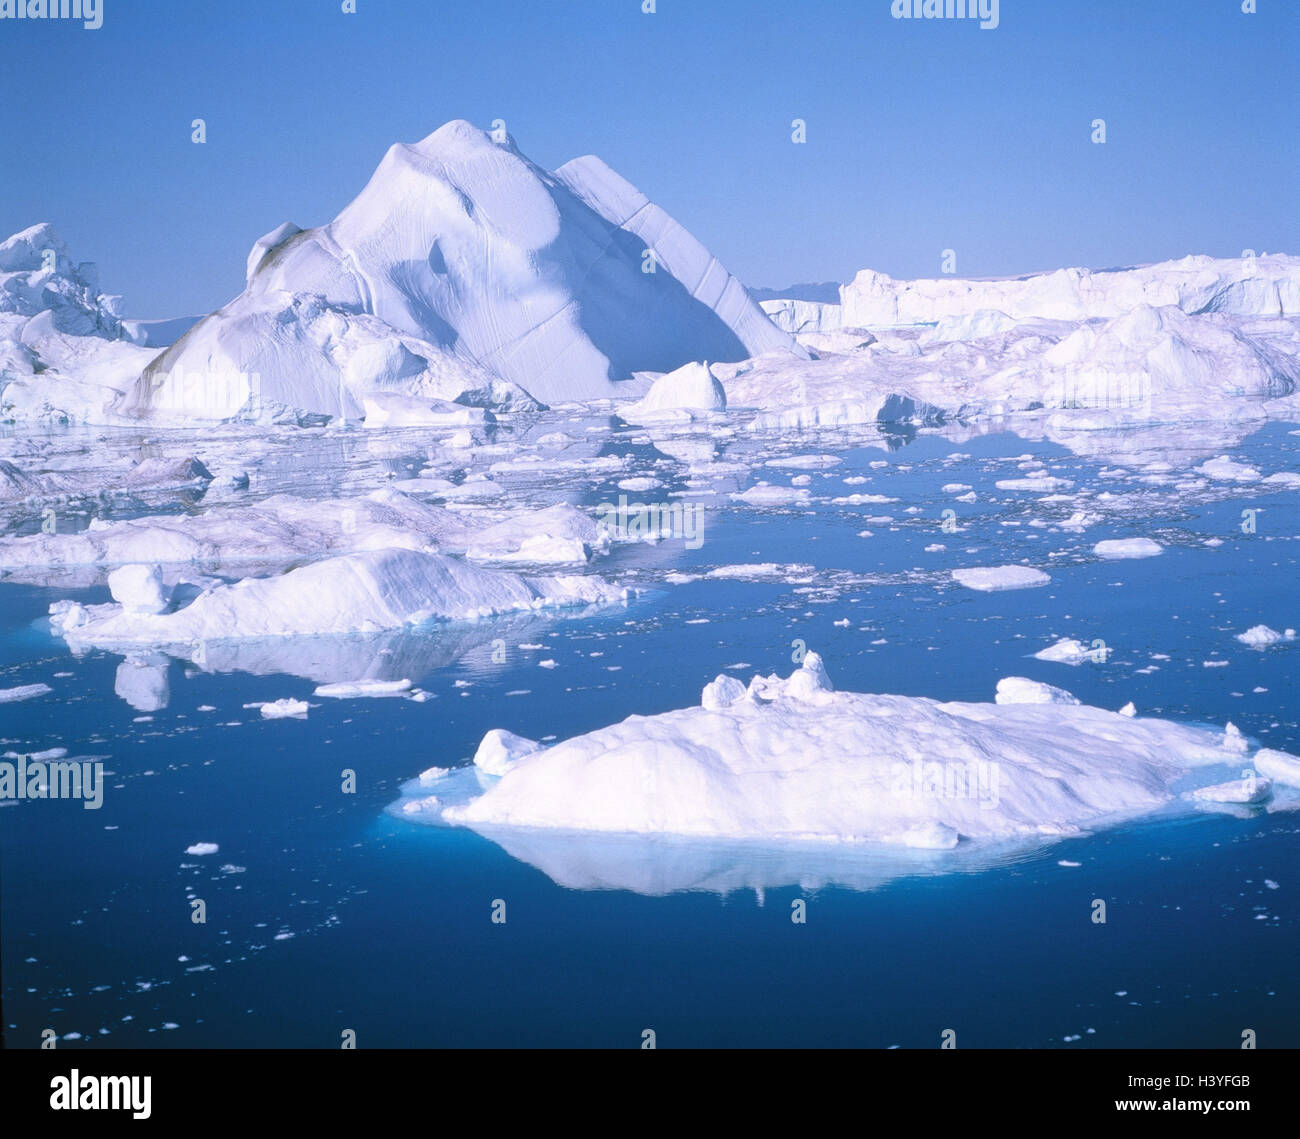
[324, 913]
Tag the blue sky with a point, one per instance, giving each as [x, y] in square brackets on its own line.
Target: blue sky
[923, 135]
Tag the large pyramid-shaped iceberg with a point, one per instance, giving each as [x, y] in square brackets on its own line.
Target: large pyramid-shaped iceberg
[462, 267]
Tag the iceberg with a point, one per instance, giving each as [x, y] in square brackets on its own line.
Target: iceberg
[1068, 651]
[795, 761]
[460, 264]
[65, 355]
[354, 593]
[1267, 285]
[680, 395]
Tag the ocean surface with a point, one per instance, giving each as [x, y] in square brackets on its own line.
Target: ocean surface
[328, 912]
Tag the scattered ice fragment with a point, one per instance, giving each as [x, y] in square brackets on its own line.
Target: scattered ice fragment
[1247, 791]
[364, 688]
[1261, 636]
[1128, 548]
[23, 692]
[280, 709]
[992, 578]
[1068, 651]
[201, 848]
[1224, 469]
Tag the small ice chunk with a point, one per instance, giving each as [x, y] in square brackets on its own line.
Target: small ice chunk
[1129, 709]
[23, 692]
[1128, 548]
[139, 588]
[345, 689]
[766, 495]
[202, 848]
[1067, 651]
[1022, 690]
[989, 578]
[279, 709]
[1225, 470]
[500, 750]
[1236, 791]
[1261, 636]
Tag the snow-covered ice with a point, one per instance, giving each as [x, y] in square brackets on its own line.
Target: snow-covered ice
[23, 692]
[1118, 548]
[989, 579]
[795, 760]
[1261, 636]
[356, 593]
[461, 264]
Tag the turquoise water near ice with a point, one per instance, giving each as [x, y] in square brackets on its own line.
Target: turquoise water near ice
[327, 913]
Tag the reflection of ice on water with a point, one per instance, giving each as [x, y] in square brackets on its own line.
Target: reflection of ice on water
[142, 681]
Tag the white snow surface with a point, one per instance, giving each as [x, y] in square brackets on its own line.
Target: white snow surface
[354, 593]
[988, 579]
[793, 760]
[1262, 286]
[1118, 548]
[1022, 690]
[500, 750]
[1279, 766]
[1261, 636]
[64, 353]
[139, 588]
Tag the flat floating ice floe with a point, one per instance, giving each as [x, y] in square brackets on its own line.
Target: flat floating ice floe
[1117, 548]
[23, 692]
[990, 578]
[793, 761]
[1072, 652]
[356, 593]
[343, 690]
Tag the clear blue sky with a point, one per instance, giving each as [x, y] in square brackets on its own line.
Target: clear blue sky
[922, 135]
